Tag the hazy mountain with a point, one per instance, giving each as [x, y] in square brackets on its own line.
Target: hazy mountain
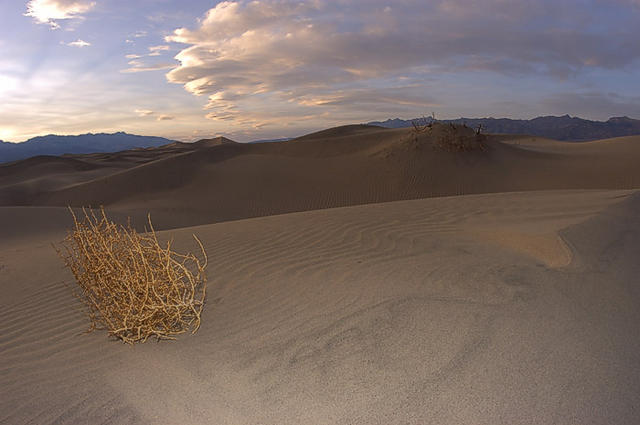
[84, 143]
[559, 128]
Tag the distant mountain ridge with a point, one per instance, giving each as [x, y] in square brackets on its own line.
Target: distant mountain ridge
[559, 128]
[83, 143]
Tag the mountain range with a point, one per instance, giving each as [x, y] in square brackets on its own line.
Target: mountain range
[559, 128]
[83, 143]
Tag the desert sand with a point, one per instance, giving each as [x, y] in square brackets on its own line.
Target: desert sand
[357, 276]
[218, 180]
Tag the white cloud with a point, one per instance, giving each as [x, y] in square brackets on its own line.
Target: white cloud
[79, 43]
[314, 55]
[158, 48]
[52, 11]
[136, 65]
[268, 57]
[150, 113]
[144, 112]
[139, 66]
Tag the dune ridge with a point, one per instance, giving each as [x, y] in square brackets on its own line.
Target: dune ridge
[219, 180]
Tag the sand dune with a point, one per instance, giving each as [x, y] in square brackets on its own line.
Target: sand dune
[515, 301]
[387, 313]
[211, 181]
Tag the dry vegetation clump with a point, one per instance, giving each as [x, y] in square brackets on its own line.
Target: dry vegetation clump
[132, 286]
[449, 137]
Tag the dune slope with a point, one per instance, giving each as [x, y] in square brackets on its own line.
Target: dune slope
[220, 180]
[402, 312]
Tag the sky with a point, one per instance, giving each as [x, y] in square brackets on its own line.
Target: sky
[280, 68]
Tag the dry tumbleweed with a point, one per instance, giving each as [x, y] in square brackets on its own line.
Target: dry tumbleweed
[132, 286]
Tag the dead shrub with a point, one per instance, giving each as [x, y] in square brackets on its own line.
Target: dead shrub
[131, 285]
[448, 137]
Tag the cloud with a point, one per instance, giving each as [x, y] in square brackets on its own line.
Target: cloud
[51, 11]
[158, 48]
[136, 65]
[325, 56]
[593, 104]
[79, 43]
[144, 112]
[150, 113]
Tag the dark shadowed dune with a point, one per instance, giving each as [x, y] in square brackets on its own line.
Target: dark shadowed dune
[217, 179]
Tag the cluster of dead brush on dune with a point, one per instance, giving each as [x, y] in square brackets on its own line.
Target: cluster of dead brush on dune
[449, 137]
[132, 286]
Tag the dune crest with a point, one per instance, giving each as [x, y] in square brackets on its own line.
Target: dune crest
[219, 180]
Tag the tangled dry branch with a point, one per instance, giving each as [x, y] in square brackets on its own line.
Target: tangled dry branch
[131, 285]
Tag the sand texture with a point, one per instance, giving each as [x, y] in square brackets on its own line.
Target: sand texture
[492, 307]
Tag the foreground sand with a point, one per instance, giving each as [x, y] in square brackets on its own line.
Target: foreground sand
[502, 309]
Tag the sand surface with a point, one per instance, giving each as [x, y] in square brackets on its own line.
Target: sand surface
[357, 275]
[500, 308]
[218, 180]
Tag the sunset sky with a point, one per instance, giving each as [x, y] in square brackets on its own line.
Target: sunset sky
[279, 68]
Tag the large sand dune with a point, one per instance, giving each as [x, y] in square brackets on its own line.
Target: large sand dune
[213, 181]
[501, 308]
[400, 312]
